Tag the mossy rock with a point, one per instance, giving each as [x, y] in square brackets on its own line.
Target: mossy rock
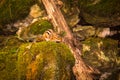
[8, 57]
[42, 62]
[45, 61]
[103, 54]
[100, 12]
[12, 10]
[40, 27]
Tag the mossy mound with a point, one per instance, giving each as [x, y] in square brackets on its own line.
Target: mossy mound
[45, 61]
[40, 27]
[101, 53]
[100, 12]
[8, 57]
[108, 8]
[12, 10]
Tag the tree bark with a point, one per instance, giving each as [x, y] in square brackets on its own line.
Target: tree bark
[81, 71]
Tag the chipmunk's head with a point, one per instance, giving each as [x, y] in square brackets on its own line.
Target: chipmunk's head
[50, 35]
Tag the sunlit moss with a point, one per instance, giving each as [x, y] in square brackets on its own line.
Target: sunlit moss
[45, 60]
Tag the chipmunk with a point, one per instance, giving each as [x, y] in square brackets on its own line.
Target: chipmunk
[49, 35]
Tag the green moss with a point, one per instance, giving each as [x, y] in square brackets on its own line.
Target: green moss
[49, 60]
[103, 8]
[8, 57]
[40, 27]
[11, 10]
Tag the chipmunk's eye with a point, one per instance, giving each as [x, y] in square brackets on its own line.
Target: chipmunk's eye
[31, 39]
[57, 41]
